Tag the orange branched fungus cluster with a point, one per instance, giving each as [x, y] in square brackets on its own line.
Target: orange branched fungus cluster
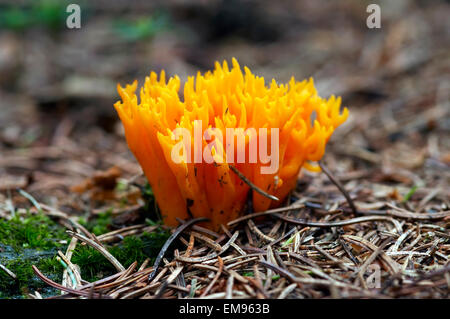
[221, 99]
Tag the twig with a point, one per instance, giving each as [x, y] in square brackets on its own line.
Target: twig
[392, 265]
[280, 271]
[259, 233]
[211, 284]
[340, 263]
[372, 257]
[127, 272]
[66, 268]
[339, 186]
[252, 186]
[169, 280]
[99, 248]
[286, 291]
[267, 212]
[169, 241]
[9, 272]
[229, 289]
[401, 213]
[68, 256]
[31, 199]
[293, 229]
[66, 289]
[347, 249]
[338, 223]
[208, 241]
[210, 256]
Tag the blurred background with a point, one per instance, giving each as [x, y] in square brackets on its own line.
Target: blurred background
[62, 143]
[58, 85]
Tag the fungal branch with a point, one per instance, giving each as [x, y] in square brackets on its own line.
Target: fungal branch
[231, 134]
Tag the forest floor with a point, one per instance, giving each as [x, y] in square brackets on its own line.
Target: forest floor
[75, 205]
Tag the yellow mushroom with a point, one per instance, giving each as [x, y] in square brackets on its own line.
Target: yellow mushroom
[185, 151]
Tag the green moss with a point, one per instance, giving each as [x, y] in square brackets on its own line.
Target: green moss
[35, 240]
[32, 231]
[95, 266]
[409, 194]
[154, 241]
[142, 27]
[27, 281]
[47, 13]
[26, 241]
[275, 277]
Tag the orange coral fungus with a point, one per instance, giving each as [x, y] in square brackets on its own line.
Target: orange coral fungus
[193, 149]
